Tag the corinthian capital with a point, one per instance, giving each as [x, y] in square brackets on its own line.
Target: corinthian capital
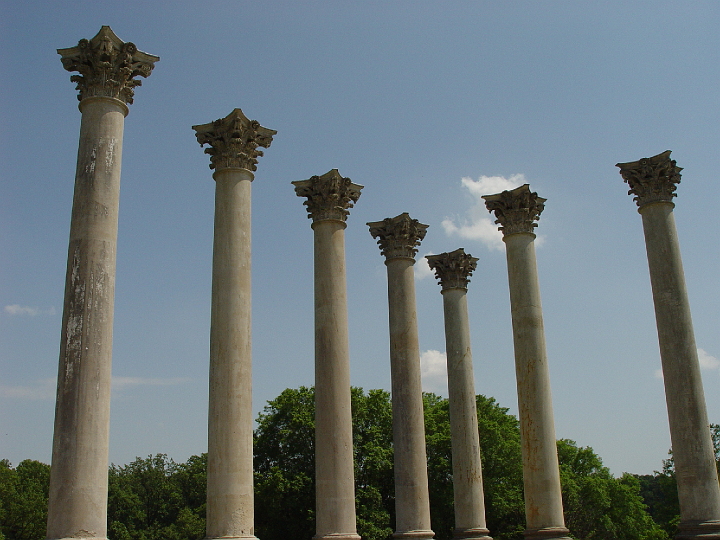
[233, 141]
[107, 66]
[453, 269]
[398, 237]
[329, 196]
[651, 179]
[516, 210]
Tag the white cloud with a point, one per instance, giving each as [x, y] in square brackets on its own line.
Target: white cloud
[433, 370]
[479, 224]
[422, 268]
[707, 361]
[17, 309]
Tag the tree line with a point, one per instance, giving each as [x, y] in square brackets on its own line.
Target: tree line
[155, 498]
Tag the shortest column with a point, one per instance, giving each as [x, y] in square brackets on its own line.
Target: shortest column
[454, 270]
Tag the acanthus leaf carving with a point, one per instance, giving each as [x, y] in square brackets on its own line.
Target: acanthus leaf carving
[453, 269]
[329, 197]
[651, 179]
[107, 66]
[516, 210]
[398, 237]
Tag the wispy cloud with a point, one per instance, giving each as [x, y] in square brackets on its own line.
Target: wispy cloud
[706, 360]
[124, 382]
[422, 268]
[44, 389]
[433, 370]
[17, 309]
[478, 224]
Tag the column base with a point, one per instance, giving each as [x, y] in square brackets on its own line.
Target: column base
[243, 537]
[79, 537]
[547, 533]
[699, 530]
[337, 536]
[472, 534]
[418, 534]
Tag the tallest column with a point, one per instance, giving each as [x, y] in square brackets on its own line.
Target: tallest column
[79, 474]
[652, 182]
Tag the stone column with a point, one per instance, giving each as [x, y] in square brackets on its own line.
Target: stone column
[398, 238]
[232, 144]
[329, 198]
[108, 69]
[454, 270]
[653, 182]
[516, 211]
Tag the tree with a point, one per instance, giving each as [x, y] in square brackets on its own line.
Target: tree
[24, 499]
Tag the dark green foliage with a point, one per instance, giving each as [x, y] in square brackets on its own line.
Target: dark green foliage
[599, 506]
[157, 499]
[23, 500]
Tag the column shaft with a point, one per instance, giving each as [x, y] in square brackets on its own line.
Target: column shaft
[467, 469]
[230, 454]
[697, 480]
[335, 483]
[541, 475]
[79, 473]
[412, 499]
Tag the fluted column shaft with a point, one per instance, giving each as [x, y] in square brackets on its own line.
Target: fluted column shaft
[453, 270]
[77, 505]
[233, 143]
[335, 478]
[329, 198]
[517, 210]
[230, 508]
[653, 182]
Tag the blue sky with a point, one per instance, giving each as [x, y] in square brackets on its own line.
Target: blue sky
[429, 105]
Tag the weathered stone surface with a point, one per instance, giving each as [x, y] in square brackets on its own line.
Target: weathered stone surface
[78, 477]
[107, 66]
[453, 270]
[398, 238]
[233, 141]
[517, 210]
[233, 144]
[651, 179]
[653, 182]
[330, 197]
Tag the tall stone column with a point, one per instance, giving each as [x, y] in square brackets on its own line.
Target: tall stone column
[232, 144]
[653, 182]
[108, 69]
[454, 270]
[516, 211]
[398, 238]
[329, 199]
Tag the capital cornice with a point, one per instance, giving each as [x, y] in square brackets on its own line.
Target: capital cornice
[516, 210]
[329, 197]
[453, 270]
[651, 179]
[233, 141]
[398, 237]
[107, 66]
